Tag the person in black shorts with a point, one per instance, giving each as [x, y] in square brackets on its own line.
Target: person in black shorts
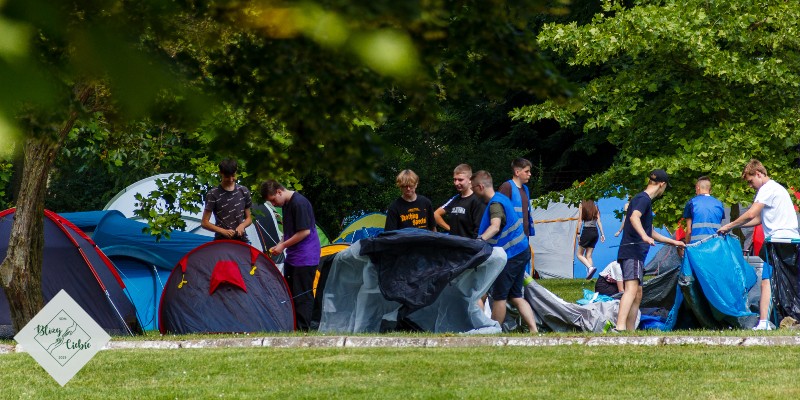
[637, 237]
[590, 229]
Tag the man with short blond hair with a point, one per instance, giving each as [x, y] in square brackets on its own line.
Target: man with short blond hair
[464, 210]
[410, 210]
[773, 209]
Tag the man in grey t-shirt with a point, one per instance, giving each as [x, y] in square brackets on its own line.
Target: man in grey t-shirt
[230, 203]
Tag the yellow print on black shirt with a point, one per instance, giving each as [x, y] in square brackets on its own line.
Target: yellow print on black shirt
[413, 216]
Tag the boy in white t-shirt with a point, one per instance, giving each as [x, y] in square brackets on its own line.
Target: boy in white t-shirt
[773, 209]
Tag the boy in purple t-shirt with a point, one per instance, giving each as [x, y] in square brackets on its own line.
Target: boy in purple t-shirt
[302, 247]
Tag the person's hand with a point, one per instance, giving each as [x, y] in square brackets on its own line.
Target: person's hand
[649, 240]
[617, 233]
[240, 231]
[679, 244]
[277, 249]
[229, 233]
[603, 238]
[723, 230]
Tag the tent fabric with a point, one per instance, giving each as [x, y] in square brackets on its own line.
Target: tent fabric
[268, 231]
[327, 255]
[188, 307]
[723, 274]
[72, 262]
[354, 301]
[143, 262]
[86, 220]
[414, 278]
[226, 271]
[554, 314]
[785, 282]
[368, 225]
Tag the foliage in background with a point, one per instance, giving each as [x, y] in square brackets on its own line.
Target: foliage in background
[694, 87]
[475, 134]
[97, 163]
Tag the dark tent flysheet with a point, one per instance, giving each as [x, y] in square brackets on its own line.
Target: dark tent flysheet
[72, 262]
[411, 279]
[226, 286]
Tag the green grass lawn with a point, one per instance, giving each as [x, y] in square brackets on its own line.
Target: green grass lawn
[566, 372]
[560, 372]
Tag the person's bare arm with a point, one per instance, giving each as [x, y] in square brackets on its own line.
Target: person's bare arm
[751, 217]
[492, 230]
[438, 215]
[206, 224]
[296, 238]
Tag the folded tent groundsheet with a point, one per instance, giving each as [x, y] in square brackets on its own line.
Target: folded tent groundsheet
[554, 314]
[432, 281]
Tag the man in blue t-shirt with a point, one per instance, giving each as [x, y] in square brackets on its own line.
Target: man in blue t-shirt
[637, 237]
[703, 213]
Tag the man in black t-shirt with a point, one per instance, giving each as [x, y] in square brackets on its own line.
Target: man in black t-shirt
[463, 211]
[230, 204]
[410, 210]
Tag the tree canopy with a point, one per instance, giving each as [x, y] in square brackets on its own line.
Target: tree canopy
[696, 87]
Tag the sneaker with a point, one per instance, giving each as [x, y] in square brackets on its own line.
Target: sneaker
[763, 326]
[590, 273]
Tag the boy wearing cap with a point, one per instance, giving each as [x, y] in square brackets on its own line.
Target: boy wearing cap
[637, 237]
[773, 208]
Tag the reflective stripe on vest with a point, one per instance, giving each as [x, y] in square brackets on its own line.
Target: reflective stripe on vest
[512, 236]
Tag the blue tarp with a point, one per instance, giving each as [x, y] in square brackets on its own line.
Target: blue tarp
[86, 220]
[724, 275]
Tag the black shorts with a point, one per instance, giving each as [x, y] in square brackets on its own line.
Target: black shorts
[589, 237]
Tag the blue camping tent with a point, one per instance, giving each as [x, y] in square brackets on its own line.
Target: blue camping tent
[72, 262]
[143, 262]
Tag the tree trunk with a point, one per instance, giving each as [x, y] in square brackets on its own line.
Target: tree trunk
[21, 270]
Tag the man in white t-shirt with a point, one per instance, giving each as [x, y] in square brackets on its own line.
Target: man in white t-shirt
[773, 209]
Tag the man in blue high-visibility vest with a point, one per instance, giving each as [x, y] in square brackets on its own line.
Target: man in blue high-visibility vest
[703, 213]
[502, 227]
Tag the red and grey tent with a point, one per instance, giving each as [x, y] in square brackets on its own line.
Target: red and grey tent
[72, 262]
[225, 286]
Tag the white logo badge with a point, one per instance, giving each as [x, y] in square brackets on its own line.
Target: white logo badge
[62, 338]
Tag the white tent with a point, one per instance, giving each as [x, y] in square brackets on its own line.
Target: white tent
[554, 242]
